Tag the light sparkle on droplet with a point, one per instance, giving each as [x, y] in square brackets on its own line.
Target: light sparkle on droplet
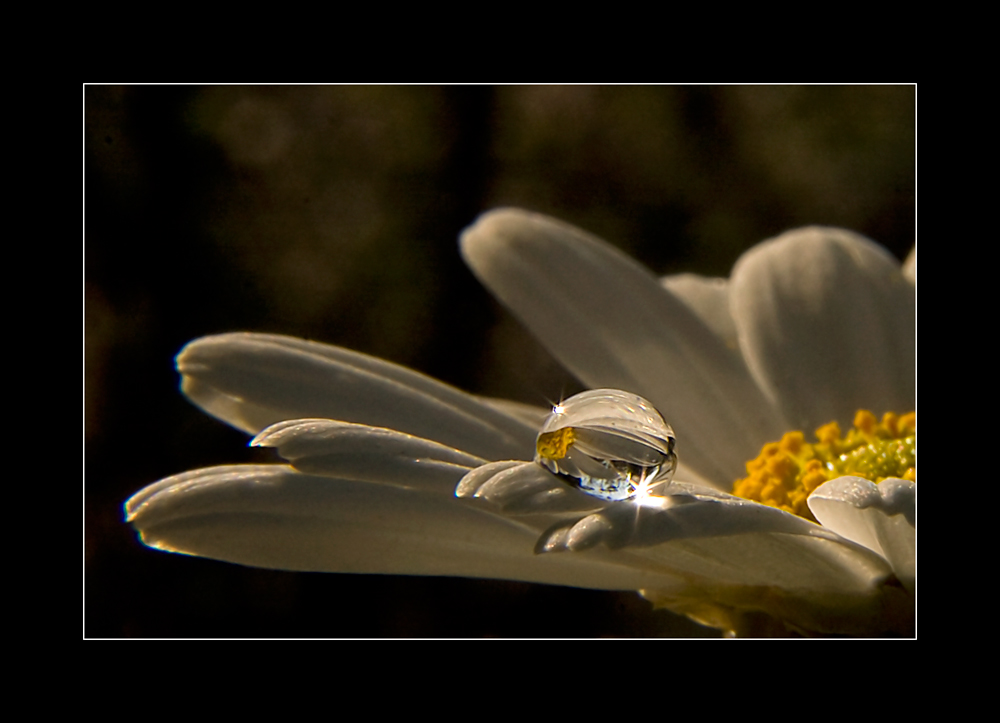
[608, 443]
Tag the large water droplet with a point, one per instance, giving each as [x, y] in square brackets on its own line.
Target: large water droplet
[609, 443]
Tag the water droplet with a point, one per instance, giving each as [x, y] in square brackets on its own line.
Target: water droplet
[608, 443]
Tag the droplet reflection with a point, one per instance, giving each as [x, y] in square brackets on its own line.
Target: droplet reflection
[608, 443]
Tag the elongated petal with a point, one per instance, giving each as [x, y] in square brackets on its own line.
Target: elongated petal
[708, 298]
[531, 415]
[881, 517]
[272, 516]
[611, 323]
[712, 545]
[373, 454]
[814, 583]
[683, 512]
[827, 325]
[255, 380]
[524, 488]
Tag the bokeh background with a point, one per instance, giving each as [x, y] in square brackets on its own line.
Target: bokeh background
[332, 213]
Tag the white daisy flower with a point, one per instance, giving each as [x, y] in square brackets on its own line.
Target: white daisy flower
[393, 472]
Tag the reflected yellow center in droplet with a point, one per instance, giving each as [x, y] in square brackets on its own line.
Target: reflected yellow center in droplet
[554, 445]
[785, 473]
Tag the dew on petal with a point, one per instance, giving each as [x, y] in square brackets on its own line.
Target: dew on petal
[608, 443]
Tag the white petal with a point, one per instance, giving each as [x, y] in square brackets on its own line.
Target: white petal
[680, 511]
[374, 454]
[254, 380]
[610, 322]
[710, 545]
[881, 517]
[531, 415]
[814, 583]
[749, 557]
[523, 488]
[827, 325]
[272, 516]
[708, 298]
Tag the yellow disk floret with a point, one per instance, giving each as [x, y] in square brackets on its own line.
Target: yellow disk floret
[785, 473]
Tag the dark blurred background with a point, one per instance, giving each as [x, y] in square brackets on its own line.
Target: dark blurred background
[332, 213]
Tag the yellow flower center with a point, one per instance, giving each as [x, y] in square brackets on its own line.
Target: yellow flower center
[785, 473]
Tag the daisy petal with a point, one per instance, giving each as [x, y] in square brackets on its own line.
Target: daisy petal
[881, 517]
[842, 304]
[749, 556]
[272, 516]
[681, 511]
[531, 415]
[814, 583]
[708, 298]
[255, 380]
[612, 324]
[523, 488]
[373, 454]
